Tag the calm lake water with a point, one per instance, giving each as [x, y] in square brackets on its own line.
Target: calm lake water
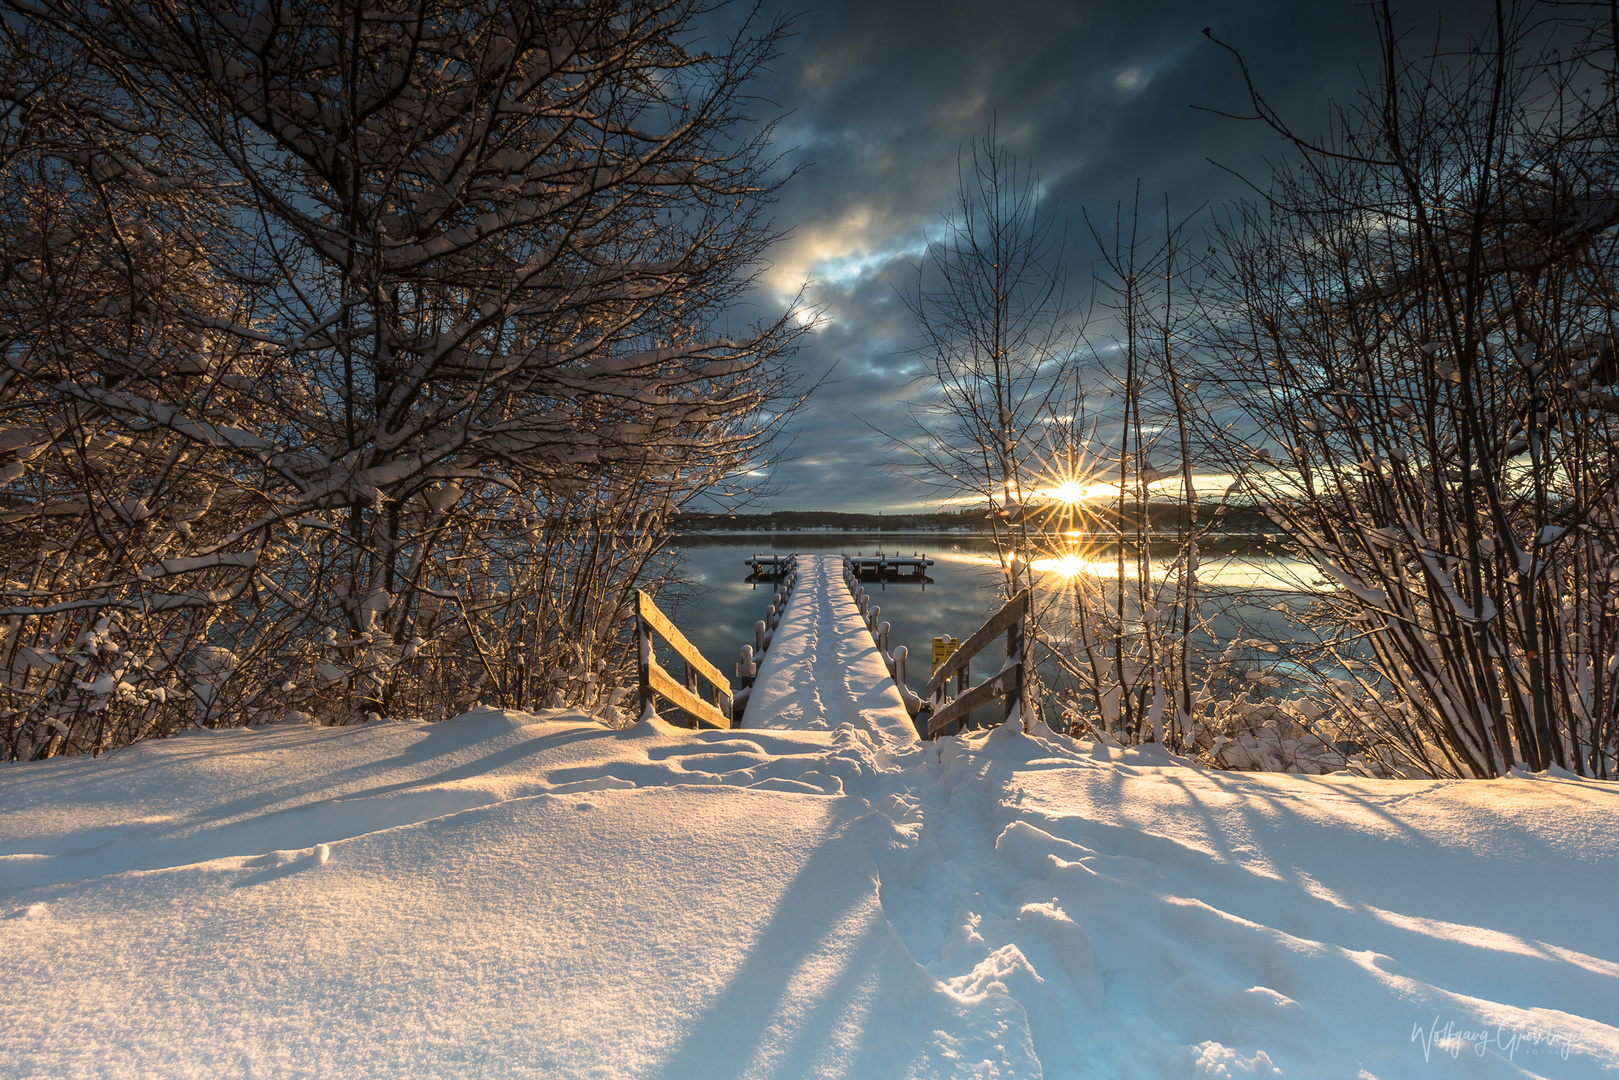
[718, 610]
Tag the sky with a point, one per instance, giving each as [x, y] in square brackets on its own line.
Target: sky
[878, 99]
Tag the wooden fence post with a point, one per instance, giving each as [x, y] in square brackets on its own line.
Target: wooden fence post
[1013, 702]
[643, 646]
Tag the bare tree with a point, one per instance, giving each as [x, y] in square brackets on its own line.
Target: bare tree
[1148, 651]
[1419, 324]
[998, 333]
[1127, 640]
[355, 356]
[1006, 420]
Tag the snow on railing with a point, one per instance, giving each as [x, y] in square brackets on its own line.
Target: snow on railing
[764, 631]
[1012, 620]
[880, 631]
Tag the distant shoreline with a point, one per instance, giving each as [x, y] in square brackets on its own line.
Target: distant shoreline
[1234, 520]
[1210, 539]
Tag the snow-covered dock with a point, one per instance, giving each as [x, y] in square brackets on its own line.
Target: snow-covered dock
[823, 668]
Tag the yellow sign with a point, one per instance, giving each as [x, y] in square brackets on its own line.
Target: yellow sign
[943, 649]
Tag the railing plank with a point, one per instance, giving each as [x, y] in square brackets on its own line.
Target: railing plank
[998, 624]
[667, 686]
[658, 621]
[1006, 682]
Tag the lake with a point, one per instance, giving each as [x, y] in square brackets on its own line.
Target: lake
[717, 609]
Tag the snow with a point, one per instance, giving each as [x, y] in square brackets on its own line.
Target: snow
[823, 669]
[536, 895]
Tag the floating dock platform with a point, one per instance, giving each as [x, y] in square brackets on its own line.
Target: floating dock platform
[768, 565]
[882, 565]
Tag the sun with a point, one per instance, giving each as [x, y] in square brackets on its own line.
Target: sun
[1069, 491]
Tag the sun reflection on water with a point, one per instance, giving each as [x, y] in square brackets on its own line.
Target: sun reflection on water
[1070, 565]
[1245, 570]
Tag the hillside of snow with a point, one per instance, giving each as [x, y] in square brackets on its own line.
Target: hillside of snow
[540, 896]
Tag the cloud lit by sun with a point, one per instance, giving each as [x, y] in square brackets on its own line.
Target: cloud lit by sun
[841, 252]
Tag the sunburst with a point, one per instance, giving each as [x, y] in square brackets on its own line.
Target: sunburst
[1068, 491]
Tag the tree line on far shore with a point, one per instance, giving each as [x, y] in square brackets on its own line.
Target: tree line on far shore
[1164, 513]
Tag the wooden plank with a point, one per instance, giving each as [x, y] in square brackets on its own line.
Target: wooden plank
[998, 624]
[645, 698]
[658, 621]
[668, 687]
[1015, 644]
[1007, 682]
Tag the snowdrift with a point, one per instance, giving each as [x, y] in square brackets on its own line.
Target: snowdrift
[539, 896]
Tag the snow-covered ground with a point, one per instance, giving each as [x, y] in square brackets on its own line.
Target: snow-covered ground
[513, 895]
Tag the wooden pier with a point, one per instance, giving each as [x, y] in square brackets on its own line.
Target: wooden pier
[821, 657]
[824, 667]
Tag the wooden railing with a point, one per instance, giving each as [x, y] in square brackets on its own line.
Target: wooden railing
[656, 682]
[1012, 621]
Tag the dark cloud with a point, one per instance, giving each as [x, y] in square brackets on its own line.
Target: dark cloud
[1098, 97]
